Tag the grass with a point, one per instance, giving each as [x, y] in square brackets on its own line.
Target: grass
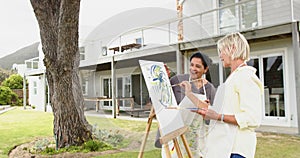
[20, 126]
[277, 146]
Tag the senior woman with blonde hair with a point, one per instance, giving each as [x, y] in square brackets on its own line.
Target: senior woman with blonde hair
[237, 106]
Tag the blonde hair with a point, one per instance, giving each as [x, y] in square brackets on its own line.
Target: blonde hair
[237, 46]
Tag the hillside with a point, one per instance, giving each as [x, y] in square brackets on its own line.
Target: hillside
[19, 56]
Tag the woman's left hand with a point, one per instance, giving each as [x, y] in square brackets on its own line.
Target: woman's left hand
[207, 114]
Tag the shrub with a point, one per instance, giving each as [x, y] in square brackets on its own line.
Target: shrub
[92, 145]
[112, 138]
[14, 81]
[7, 96]
[4, 74]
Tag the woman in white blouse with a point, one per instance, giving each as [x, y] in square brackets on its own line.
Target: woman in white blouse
[237, 106]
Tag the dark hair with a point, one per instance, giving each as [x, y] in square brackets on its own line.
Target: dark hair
[205, 59]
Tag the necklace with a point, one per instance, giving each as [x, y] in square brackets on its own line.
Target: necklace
[242, 64]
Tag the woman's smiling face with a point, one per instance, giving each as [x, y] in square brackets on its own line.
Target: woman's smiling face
[197, 68]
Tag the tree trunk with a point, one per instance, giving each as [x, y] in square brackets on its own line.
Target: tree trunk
[58, 22]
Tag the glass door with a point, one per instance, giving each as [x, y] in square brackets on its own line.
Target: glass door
[107, 90]
[274, 87]
[124, 90]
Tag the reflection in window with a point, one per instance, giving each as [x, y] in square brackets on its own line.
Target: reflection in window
[240, 16]
[227, 16]
[248, 14]
[274, 86]
[107, 90]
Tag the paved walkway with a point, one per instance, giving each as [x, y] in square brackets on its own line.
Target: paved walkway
[276, 129]
[5, 108]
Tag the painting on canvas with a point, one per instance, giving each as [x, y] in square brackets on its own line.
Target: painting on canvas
[162, 96]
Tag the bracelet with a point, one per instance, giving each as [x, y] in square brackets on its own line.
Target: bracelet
[222, 118]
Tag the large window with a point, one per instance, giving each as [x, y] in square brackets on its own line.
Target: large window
[237, 17]
[270, 70]
[274, 86]
[124, 89]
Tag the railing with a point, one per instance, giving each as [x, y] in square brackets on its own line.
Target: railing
[241, 16]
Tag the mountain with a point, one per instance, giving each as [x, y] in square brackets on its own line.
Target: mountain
[19, 56]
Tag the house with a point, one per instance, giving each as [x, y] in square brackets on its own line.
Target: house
[38, 91]
[110, 54]
[118, 43]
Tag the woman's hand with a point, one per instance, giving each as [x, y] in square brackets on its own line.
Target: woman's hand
[187, 87]
[207, 114]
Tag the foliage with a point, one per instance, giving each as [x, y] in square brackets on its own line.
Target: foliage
[15, 81]
[94, 145]
[45, 147]
[41, 144]
[7, 96]
[109, 137]
[4, 74]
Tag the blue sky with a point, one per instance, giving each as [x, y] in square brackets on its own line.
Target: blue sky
[19, 27]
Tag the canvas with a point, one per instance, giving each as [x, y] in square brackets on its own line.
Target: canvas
[162, 96]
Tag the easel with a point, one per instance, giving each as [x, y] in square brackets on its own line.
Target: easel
[165, 139]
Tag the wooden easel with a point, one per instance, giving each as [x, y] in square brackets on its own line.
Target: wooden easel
[165, 139]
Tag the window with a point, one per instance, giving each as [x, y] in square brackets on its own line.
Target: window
[107, 90]
[138, 40]
[82, 53]
[32, 63]
[228, 19]
[248, 14]
[34, 87]
[85, 87]
[104, 51]
[236, 17]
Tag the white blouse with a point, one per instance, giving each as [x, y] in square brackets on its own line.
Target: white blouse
[240, 95]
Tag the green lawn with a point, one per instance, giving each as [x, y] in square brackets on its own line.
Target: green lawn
[20, 126]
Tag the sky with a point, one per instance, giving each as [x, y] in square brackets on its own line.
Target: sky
[19, 27]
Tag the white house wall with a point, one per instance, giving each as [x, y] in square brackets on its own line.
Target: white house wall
[276, 11]
[296, 10]
[92, 53]
[38, 99]
[198, 26]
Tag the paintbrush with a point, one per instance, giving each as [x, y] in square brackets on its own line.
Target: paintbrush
[189, 82]
[179, 108]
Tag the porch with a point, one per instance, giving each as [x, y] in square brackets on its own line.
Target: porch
[126, 104]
